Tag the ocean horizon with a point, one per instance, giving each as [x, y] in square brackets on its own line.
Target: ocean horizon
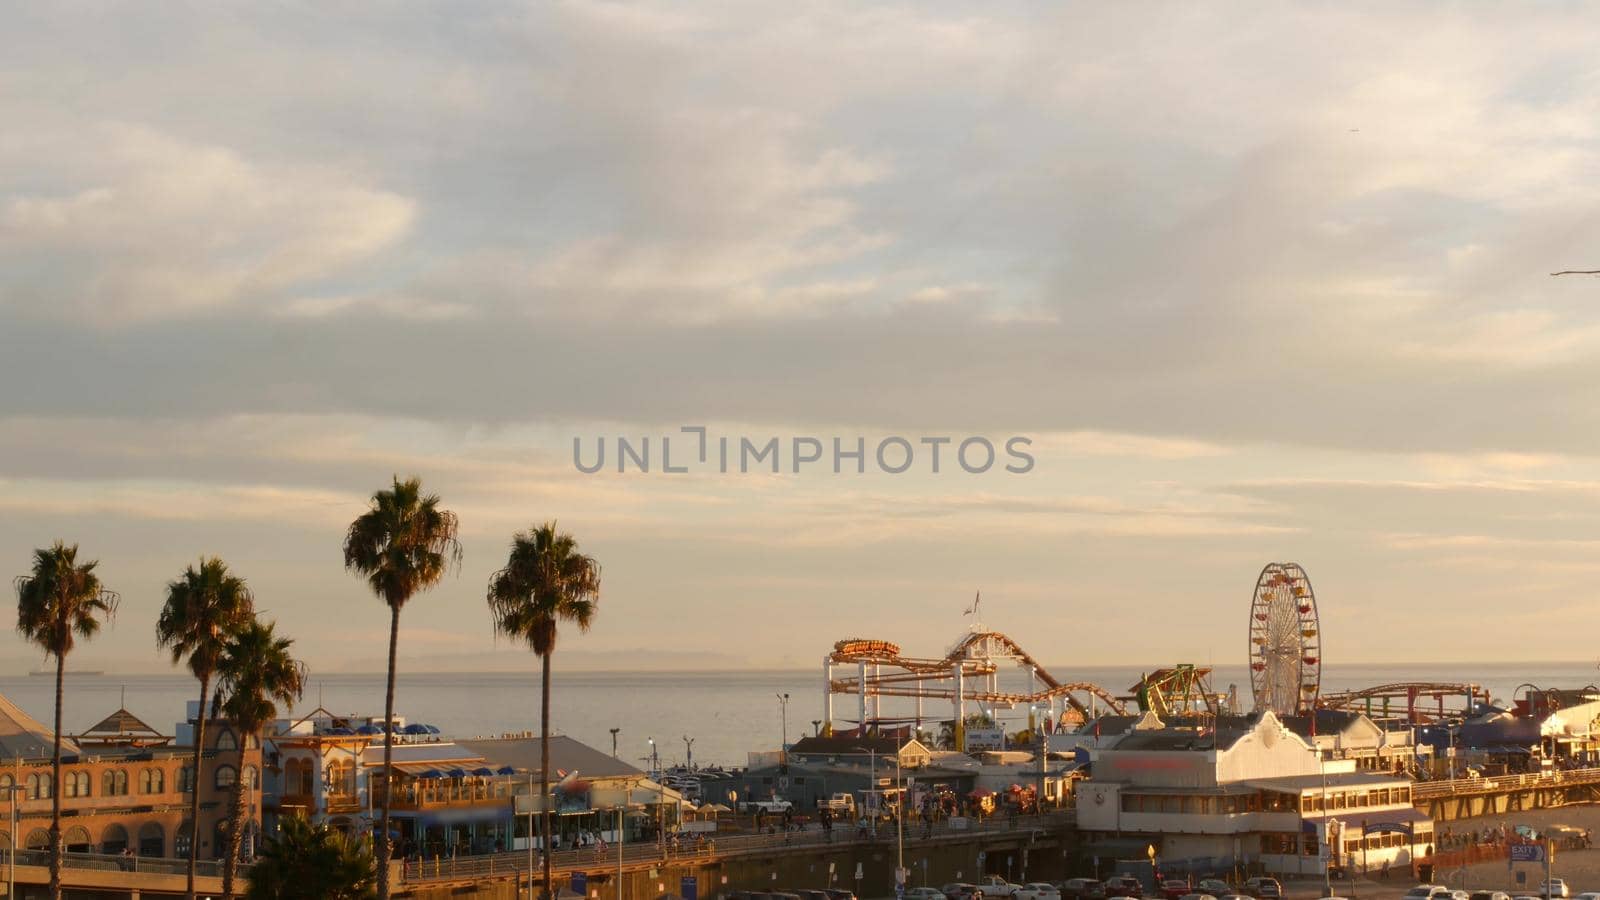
[726, 713]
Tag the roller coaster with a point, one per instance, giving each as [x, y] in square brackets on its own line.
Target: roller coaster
[1407, 701]
[968, 673]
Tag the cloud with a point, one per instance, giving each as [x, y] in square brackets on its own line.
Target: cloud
[151, 225]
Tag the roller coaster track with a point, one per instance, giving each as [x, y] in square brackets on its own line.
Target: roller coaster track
[1408, 693]
[975, 654]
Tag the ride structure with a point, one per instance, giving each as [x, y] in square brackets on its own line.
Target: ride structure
[1181, 691]
[1285, 641]
[966, 677]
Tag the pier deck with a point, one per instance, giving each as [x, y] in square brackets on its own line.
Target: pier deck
[1463, 798]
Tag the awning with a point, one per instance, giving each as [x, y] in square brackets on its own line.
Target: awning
[1403, 821]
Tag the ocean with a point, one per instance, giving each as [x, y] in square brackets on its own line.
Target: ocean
[725, 713]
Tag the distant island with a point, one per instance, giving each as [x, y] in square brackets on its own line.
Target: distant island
[51, 673]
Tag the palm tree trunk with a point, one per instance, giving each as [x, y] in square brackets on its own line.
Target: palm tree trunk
[544, 771]
[230, 864]
[194, 786]
[55, 788]
[381, 839]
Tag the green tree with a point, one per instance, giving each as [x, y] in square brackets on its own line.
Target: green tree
[313, 862]
[205, 607]
[256, 673]
[403, 545]
[60, 601]
[546, 581]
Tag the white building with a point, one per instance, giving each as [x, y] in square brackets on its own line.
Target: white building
[1257, 795]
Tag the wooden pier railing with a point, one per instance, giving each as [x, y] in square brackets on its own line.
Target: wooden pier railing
[1429, 790]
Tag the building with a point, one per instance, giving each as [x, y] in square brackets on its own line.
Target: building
[453, 797]
[1252, 796]
[124, 787]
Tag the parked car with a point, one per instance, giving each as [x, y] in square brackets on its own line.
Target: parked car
[959, 890]
[1263, 888]
[1124, 886]
[1038, 890]
[1502, 895]
[924, 893]
[840, 894]
[1458, 894]
[1174, 889]
[1554, 888]
[1082, 889]
[1586, 895]
[1426, 892]
[809, 895]
[1197, 897]
[1215, 887]
[995, 886]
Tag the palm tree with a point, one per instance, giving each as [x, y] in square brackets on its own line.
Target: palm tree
[205, 607]
[546, 581]
[256, 673]
[402, 544]
[60, 601]
[313, 862]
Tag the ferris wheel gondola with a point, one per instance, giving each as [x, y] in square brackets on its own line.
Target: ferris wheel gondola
[1285, 641]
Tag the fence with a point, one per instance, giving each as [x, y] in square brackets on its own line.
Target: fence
[206, 868]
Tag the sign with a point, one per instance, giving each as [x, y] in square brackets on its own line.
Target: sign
[688, 888]
[1533, 853]
[580, 883]
[983, 739]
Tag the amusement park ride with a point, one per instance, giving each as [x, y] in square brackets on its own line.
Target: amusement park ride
[1285, 664]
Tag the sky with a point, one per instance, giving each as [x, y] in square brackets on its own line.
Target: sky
[1255, 283]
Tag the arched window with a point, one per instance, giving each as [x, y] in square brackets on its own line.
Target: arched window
[114, 783]
[186, 780]
[341, 777]
[297, 777]
[113, 839]
[5, 786]
[38, 787]
[152, 781]
[77, 840]
[75, 784]
[226, 775]
[153, 841]
[226, 741]
[38, 839]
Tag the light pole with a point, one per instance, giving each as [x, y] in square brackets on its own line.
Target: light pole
[661, 797]
[783, 714]
[872, 785]
[688, 752]
[816, 727]
[614, 740]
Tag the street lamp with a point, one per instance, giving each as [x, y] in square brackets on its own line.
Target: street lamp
[614, 741]
[872, 785]
[816, 727]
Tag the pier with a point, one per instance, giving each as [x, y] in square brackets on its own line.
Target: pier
[1027, 847]
[1462, 798]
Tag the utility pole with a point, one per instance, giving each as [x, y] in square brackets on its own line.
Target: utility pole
[688, 752]
[783, 714]
[614, 741]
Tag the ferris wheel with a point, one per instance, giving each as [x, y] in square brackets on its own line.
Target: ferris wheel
[1285, 641]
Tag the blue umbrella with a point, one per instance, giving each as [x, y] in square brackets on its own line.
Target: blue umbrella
[431, 773]
[457, 773]
[416, 729]
[506, 770]
[483, 771]
[432, 729]
[367, 729]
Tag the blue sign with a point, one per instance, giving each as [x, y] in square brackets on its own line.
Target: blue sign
[688, 888]
[1527, 853]
[580, 883]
